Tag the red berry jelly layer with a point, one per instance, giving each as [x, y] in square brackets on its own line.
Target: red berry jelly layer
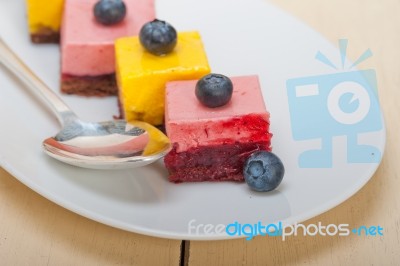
[211, 163]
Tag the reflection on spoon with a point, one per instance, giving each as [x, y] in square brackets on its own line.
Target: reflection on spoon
[104, 145]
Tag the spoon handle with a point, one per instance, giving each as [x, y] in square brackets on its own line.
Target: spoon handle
[12, 62]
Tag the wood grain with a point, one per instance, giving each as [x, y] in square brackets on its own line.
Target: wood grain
[366, 24]
[35, 231]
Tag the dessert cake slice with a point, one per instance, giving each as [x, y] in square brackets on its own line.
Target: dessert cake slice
[44, 18]
[142, 76]
[87, 46]
[212, 144]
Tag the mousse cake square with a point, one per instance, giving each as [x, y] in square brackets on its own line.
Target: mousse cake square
[212, 144]
[87, 47]
[142, 76]
[44, 19]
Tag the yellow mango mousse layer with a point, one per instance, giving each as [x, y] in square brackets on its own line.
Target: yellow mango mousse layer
[44, 14]
[141, 76]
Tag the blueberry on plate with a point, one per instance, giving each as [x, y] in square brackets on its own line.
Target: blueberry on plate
[109, 12]
[263, 171]
[214, 90]
[158, 37]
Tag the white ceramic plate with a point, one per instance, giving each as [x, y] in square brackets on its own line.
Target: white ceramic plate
[241, 37]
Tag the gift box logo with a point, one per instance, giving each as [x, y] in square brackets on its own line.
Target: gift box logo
[338, 104]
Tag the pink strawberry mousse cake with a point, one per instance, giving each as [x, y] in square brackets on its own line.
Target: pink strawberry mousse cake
[87, 47]
[212, 144]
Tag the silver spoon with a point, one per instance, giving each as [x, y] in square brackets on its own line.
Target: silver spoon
[113, 144]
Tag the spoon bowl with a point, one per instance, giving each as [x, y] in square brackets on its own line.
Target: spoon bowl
[114, 144]
[107, 145]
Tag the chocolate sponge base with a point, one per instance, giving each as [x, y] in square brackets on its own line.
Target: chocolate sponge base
[45, 35]
[103, 85]
[211, 163]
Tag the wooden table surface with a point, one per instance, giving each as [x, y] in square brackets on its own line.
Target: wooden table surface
[35, 231]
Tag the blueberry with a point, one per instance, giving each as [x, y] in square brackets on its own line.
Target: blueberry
[214, 90]
[263, 171]
[158, 37]
[109, 12]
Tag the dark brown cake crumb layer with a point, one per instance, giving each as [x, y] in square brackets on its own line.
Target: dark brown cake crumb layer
[45, 35]
[104, 85]
[211, 163]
